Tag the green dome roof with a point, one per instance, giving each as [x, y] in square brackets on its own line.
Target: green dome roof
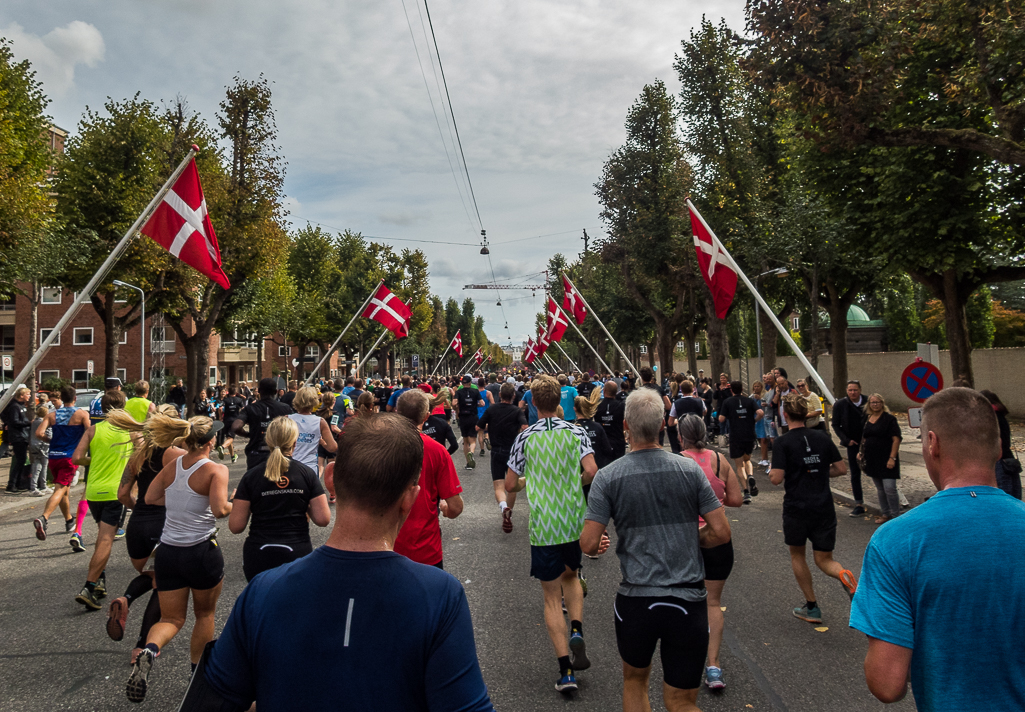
[856, 313]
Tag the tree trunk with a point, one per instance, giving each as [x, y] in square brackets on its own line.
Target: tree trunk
[690, 341]
[814, 317]
[191, 373]
[666, 350]
[718, 341]
[769, 336]
[259, 357]
[33, 340]
[955, 297]
[111, 336]
[654, 347]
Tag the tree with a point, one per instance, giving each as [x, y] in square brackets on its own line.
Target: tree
[25, 207]
[643, 195]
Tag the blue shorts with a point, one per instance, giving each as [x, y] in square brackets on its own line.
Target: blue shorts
[760, 429]
[548, 563]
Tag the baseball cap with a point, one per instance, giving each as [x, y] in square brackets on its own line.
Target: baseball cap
[467, 379]
[111, 382]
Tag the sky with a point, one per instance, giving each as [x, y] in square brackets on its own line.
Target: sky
[539, 89]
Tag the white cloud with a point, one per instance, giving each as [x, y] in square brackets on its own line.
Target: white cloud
[55, 55]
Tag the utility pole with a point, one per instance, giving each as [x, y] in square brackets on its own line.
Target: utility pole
[585, 240]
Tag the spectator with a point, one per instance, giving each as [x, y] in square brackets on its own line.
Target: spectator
[880, 455]
[849, 425]
[17, 422]
[1008, 467]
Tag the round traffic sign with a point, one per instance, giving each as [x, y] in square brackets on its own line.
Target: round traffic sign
[920, 380]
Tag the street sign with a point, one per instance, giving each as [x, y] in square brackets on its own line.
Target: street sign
[89, 367]
[8, 363]
[416, 361]
[920, 380]
[295, 362]
[914, 417]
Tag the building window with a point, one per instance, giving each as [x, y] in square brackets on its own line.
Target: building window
[644, 349]
[795, 323]
[83, 336]
[124, 337]
[7, 304]
[43, 333]
[80, 375]
[312, 351]
[51, 295]
[7, 338]
[282, 351]
[44, 376]
[123, 375]
[213, 375]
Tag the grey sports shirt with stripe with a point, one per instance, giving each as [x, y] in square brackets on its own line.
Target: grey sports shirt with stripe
[654, 498]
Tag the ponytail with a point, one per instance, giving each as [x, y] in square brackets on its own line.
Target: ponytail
[280, 438]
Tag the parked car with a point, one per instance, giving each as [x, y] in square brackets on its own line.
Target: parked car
[85, 396]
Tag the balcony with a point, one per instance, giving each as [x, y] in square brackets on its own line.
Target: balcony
[236, 354]
[161, 347]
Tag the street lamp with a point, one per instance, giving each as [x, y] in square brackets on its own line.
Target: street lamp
[142, 327]
[779, 272]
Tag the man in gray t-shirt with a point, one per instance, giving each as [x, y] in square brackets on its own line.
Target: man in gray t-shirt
[655, 499]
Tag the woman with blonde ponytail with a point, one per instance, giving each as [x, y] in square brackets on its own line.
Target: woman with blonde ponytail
[194, 493]
[279, 494]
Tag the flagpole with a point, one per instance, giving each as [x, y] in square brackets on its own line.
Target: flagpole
[373, 348]
[86, 293]
[440, 360]
[572, 322]
[571, 362]
[768, 310]
[595, 315]
[339, 339]
[551, 362]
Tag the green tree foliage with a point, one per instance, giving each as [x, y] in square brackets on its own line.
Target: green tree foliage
[900, 312]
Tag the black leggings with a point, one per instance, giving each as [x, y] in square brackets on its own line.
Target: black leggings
[258, 557]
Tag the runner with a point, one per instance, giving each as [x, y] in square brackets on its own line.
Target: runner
[489, 401]
[314, 432]
[194, 491]
[741, 413]
[504, 421]
[283, 495]
[420, 536]
[803, 460]
[656, 499]
[648, 381]
[468, 400]
[258, 416]
[105, 450]
[67, 425]
[145, 526]
[382, 394]
[567, 395]
[547, 459]
[140, 406]
[718, 560]
[231, 408]
[406, 383]
[438, 429]
[585, 409]
[687, 402]
[610, 415]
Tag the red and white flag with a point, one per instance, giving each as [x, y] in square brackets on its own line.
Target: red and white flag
[543, 341]
[388, 310]
[530, 352]
[572, 302]
[557, 323]
[716, 266]
[181, 225]
[478, 357]
[457, 344]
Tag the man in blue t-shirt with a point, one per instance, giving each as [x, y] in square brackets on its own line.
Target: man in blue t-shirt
[567, 394]
[407, 383]
[375, 630]
[941, 586]
[527, 404]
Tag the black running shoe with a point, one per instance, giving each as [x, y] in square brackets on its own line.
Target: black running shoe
[138, 681]
[88, 599]
[579, 650]
[101, 586]
[752, 485]
[69, 525]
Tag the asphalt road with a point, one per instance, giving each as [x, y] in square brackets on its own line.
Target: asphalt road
[56, 656]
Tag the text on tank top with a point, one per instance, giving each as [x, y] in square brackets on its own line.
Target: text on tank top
[188, 519]
[309, 437]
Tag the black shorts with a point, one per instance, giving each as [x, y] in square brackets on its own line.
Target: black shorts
[143, 534]
[819, 529]
[682, 626]
[107, 512]
[499, 463]
[740, 448]
[718, 562]
[468, 426]
[325, 453]
[200, 566]
[258, 557]
[548, 563]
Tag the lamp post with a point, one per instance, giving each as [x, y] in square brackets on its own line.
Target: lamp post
[779, 271]
[142, 327]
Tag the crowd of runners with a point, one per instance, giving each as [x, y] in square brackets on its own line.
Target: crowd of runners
[589, 452]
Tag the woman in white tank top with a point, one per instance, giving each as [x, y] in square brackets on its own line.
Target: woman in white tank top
[194, 493]
[313, 430]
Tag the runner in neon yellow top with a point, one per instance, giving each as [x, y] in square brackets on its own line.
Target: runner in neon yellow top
[140, 406]
[106, 451]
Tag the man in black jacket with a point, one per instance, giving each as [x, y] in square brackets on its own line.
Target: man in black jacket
[848, 424]
[16, 432]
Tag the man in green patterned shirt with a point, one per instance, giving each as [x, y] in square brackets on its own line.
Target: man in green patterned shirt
[547, 459]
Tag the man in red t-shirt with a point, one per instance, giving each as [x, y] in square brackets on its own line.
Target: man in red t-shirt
[420, 536]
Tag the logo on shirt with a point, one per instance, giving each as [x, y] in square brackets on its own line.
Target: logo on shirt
[283, 482]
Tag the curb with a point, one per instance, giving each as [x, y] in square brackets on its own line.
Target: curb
[849, 501]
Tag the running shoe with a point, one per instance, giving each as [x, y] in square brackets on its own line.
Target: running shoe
[220, 452]
[812, 615]
[76, 543]
[74, 480]
[470, 462]
[763, 463]
[137, 682]
[713, 678]
[234, 459]
[858, 511]
[579, 650]
[583, 581]
[117, 618]
[752, 484]
[69, 525]
[101, 586]
[120, 534]
[40, 525]
[566, 683]
[487, 442]
[747, 497]
[507, 524]
[36, 493]
[850, 584]
[88, 599]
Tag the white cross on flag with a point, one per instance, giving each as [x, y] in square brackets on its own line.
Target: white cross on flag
[388, 310]
[457, 344]
[557, 323]
[572, 302]
[181, 225]
[478, 357]
[530, 352]
[542, 341]
[716, 266]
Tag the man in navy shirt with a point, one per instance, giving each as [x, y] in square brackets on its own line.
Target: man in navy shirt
[941, 586]
[375, 630]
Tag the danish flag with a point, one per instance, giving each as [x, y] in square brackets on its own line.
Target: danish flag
[557, 323]
[572, 302]
[478, 357]
[530, 352]
[716, 266]
[457, 344]
[388, 310]
[181, 225]
[543, 341]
